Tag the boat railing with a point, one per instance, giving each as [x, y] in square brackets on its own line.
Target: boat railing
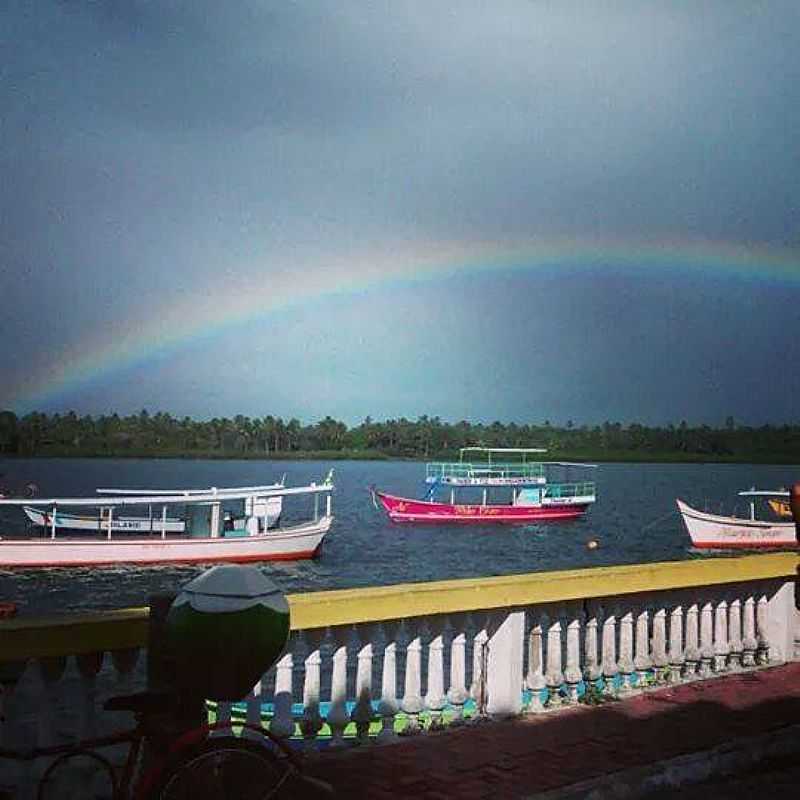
[582, 489]
[107, 505]
[438, 471]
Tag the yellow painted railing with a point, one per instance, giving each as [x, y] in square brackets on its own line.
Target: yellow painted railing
[22, 638]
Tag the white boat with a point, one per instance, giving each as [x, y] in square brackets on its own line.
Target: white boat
[205, 538]
[715, 531]
[99, 521]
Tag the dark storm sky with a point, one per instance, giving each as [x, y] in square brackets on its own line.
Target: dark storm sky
[301, 208]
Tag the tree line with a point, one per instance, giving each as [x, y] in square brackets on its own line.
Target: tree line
[161, 434]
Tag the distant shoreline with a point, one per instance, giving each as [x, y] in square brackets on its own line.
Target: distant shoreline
[638, 457]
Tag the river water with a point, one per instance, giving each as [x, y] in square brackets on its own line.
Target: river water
[634, 521]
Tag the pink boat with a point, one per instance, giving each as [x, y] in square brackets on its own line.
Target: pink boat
[526, 494]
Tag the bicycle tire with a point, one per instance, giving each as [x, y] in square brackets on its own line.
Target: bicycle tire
[59, 781]
[227, 767]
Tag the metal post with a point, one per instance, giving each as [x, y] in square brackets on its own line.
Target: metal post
[794, 502]
[328, 504]
[163, 522]
[316, 507]
[110, 518]
[53, 523]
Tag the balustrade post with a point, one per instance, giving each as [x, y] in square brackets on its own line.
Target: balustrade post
[412, 694]
[706, 640]
[721, 648]
[642, 662]
[337, 715]
[735, 635]
[535, 680]
[572, 675]
[762, 648]
[89, 664]
[387, 708]
[591, 671]
[692, 652]
[609, 657]
[362, 713]
[660, 660]
[676, 657]
[312, 721]
[435, 699]
[625, 664]
[749, 643]
[282, 724]
[457, 693]
[554, 676]
[253, 703]
[504, 673]
[480, 657]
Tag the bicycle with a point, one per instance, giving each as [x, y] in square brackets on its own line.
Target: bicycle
[168, 759]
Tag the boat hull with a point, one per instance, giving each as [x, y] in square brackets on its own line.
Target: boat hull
[282, 544]
[401, 509]
[717, 532]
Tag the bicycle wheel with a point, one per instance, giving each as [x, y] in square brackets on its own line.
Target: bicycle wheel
[229, 768]
[79, 775]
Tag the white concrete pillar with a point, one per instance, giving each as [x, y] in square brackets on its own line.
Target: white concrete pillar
[312, 722]
[642, 662]
[362, 713]
[554, 676]
[535, 679]
[625, 663]
[676, 656]
[504, 677]
[749, 642]
[457, 693]
[572, 674]
[412, 696]
[388, 707]
[435, 699]
[721, 648]
[735, 635]
[706, 640]
[337, 715]
[692, 650]
[609, 655]
[282, 724]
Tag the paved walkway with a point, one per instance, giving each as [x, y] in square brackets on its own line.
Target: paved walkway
[524, 757]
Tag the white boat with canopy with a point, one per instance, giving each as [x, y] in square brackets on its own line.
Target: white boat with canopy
[234, 513]
[204, 535]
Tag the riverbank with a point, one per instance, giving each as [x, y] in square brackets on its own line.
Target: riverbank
[594, 457]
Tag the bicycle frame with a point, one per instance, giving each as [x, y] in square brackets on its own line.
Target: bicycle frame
[123, 788]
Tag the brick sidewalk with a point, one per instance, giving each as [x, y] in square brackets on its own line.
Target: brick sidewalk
[522, 757]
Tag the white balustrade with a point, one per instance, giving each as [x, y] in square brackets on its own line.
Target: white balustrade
[363, 681]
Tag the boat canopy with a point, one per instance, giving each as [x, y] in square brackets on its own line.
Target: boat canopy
[504, 450]
[754, 493]
[208, 496]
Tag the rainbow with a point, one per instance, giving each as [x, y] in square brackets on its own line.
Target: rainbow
[208, 313]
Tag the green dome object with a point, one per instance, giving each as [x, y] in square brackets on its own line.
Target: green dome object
[225, 629]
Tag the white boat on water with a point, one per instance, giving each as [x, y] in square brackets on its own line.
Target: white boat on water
[234, 518]
[205, 538]
[715, 531]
